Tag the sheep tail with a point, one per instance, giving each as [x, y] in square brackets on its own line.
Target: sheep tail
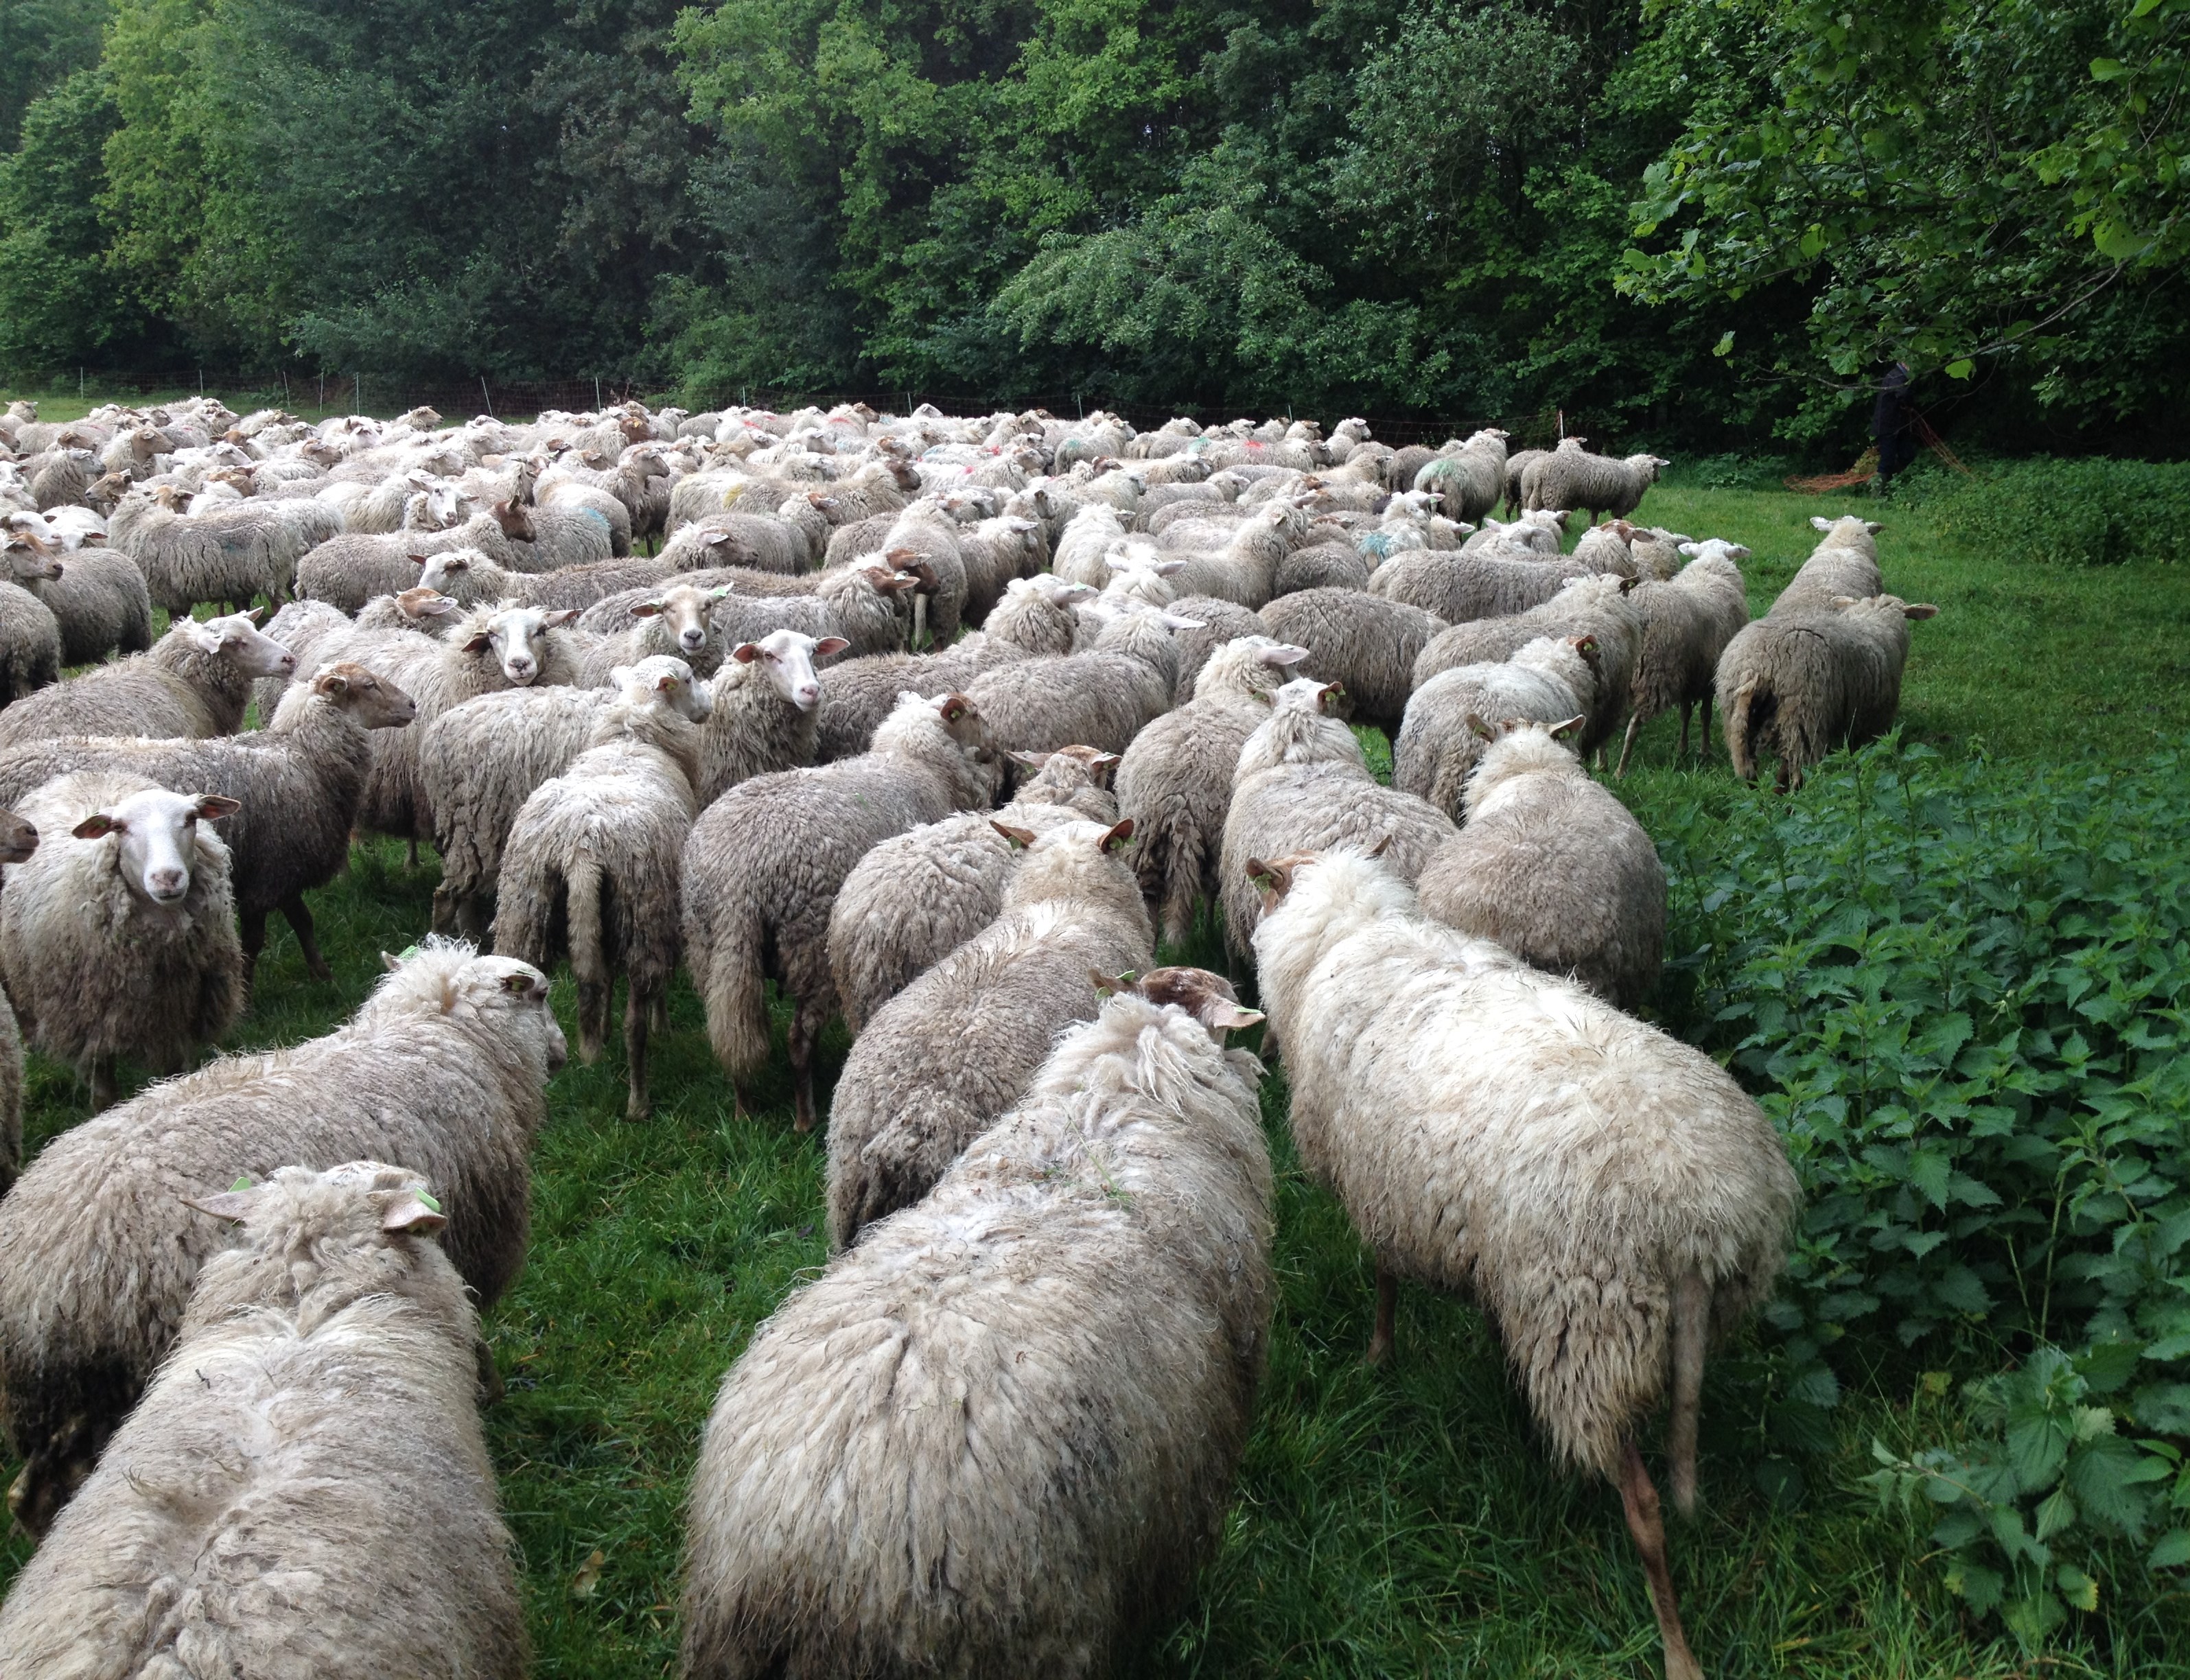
[737, 993]
[1448, 788]
[1692, 1299]
[1183, 860]
[1740, 737]
[582, 893]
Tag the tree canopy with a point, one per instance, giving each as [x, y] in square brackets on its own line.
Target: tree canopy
[1697, 218]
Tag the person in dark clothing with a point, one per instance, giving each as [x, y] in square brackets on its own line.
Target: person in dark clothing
[1892, 425]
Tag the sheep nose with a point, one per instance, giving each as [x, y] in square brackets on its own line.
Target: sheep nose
[693, 640]
[166, 883]
[288, 662]
[810, 696]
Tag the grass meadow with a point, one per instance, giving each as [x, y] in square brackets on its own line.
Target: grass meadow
[1397, 1522]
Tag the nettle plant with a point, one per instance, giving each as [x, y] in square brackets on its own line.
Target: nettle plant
[1959, 990]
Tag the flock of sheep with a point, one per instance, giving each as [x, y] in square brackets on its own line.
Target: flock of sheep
[998, 1433]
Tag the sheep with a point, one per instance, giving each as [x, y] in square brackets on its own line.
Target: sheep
[349, 570]
[558, 537]
[1243, 568]
[1364, 641]
[1329, 564]
[1079, 554]
[1572, 480]
[1844, 563]
[1301, 785]
[679, 621]
[592, 861]
[1596, 607]
[471, 577]
[18, 840]
[445, 1066]
[1175, 781]
[1220, 621]
[225, 555]
[1797, 685]
[297, 781]
[763, 863]
[919, 1085]
[1608, 1194]
[1472, 478]
[919, 895]
[490, 649]
[859, 604]
[792, 539]
[29, 634]
[1102, 698]
[305, 1489]
[1459, 587]
[557, 495]
[117, 935]
[997, 553]
[1550, 680]
[1551, 866]
[1687, 623]
[99, 605]
[1040, 1380]
[1036, 615]
[196, 680]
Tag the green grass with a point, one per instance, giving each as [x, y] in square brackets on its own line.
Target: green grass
[1398, 1522]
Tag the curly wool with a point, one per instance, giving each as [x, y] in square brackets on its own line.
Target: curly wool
[1687, 623]
[1553, 867]
[1458, 588]
[176, 689]
[939, 1063]
[304, 1492]
[1089, 1285]
[1845, 562]
[1573, 480]
[1596, 607]
[1498, 1132]
[444, 1067]
[917, 896]
[1798, 684]
[30, 645]
[1548, 681]
[101, 604]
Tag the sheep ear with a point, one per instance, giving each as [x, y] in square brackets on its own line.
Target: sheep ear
[413, 1212]
[1691, 549]
[1120, 837]
[478, 642]
[1021, 838]
[1627, 585]
[1223, 1015]
[1920, 609]
[1870, 525]
[330, 682]
[829, 645]
[1110, 985]
[953, 706]
[1819, 522]
[1283, 655]
[96, 826]
[1173, 622]
[1103, 761]
[391, 961]
[1329, 694]
[1480, 728]
[524, 983]
[214, 806]
[1585, 644]
[1567, 727]
[1735, 550]
[1033, 761]
[1265, 696]
[557, 619]
[233, 1204]
[256, 615]
[646, 609]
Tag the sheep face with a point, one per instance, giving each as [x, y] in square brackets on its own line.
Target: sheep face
[235, 637]
[18, 838]
[668, 680]
[516, 638]
[156, 833]
[1208, 997]
[27, 562]
[373, 700]
[788, 658]
[686, 611]
[442, 977]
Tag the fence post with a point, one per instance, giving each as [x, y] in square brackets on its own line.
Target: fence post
[488, 398]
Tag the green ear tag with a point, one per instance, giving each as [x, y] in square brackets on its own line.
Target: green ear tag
[242, 1184]
[406, 953]
[430, 1202]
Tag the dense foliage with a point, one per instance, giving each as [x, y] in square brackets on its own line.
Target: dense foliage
[2087, 511]
[1700, 219]
[1963, 998]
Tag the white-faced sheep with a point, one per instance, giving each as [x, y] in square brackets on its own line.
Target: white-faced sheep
[1553, 680]
[195, 681]
[305, 1489]
[1471, 479]
[1596, 607]
[764, 862]
[919, 895]
[1462, 586]
[1799, 684]
[1301, 785]
[1575, 480]
[229, 554]
[297, 781]
[1089, 1285]
[1608, 1194]
[1687, 623]
[445, 1066]
[935, 1065]
[98, 600]
[1552, 866]
[1844, 563]
[1101, 698]
[117, 935]
[591, 865]
[1175, 781]
[1367, 643]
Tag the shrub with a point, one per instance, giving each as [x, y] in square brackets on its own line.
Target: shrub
[1960, 991]
[2091, 512]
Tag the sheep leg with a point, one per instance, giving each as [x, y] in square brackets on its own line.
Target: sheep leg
[490, 1388]
[1639, 1498]
[250, 928]
[1686, 706]
[638, 1016]
[300, 923]
[103, 1088]
[1387, 1303]
[805, 1030]
[1627, 746]
[1690, 1321]
[1703, 740]
[410, 854]
[593, 999]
